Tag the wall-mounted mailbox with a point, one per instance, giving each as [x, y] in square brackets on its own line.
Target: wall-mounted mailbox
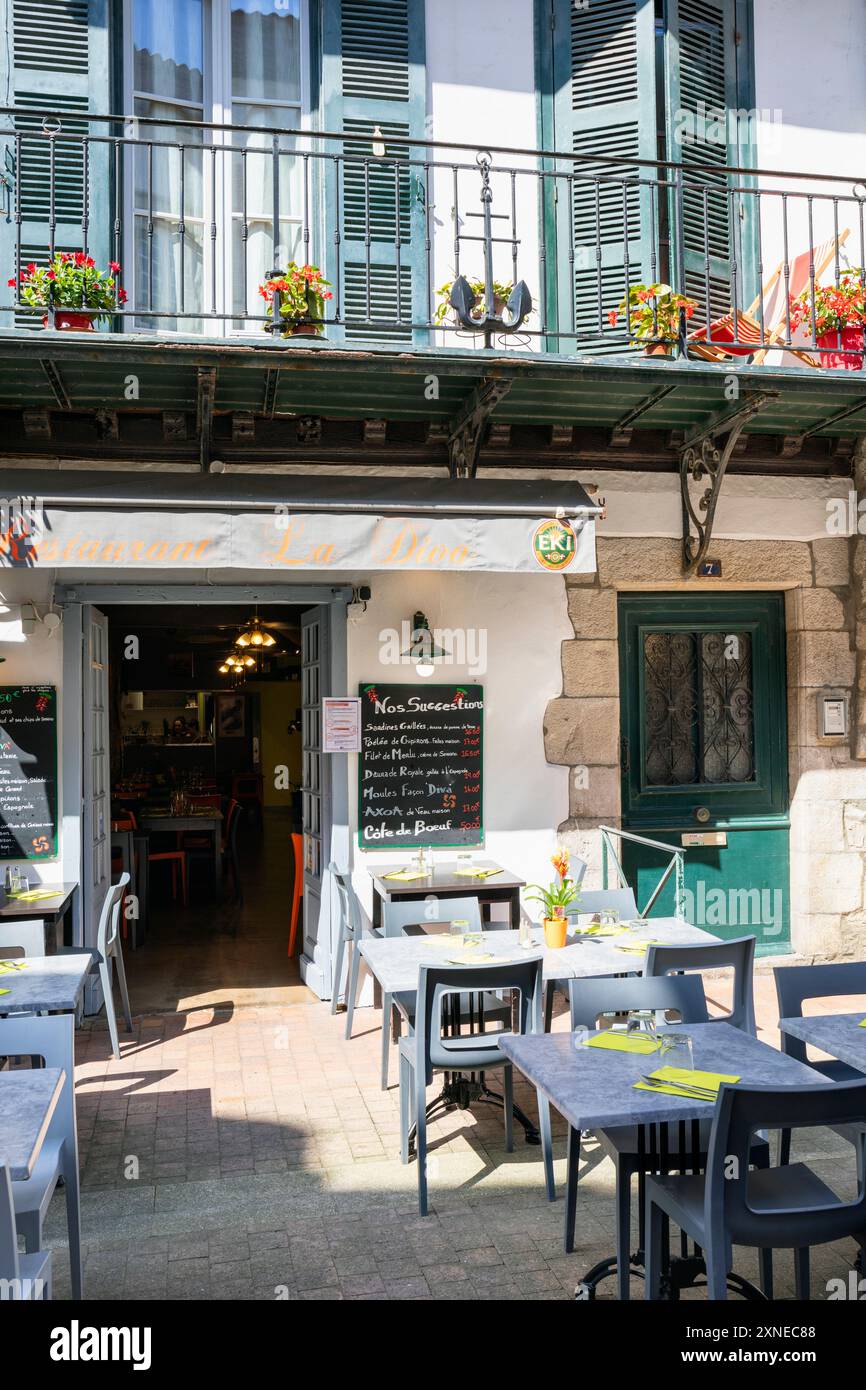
[832, 713]
[718, 838]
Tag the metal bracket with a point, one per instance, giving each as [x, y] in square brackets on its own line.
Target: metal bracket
[467, 428]
[206, 395]
[703, 458]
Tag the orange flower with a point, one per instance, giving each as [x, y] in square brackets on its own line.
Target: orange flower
[559, 860]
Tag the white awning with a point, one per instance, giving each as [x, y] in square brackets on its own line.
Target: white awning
[287, 524]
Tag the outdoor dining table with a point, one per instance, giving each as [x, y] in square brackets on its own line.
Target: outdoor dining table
[28, 1100]
[52, 908]
[44, 984]
[483, 879]
[593, 1088]
[396, 960]
[205, 822]
[841, 1035]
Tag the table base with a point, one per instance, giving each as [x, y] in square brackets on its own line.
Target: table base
[684, 1272]
[460, 1093]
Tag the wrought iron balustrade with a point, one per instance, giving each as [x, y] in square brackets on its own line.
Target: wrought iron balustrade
[200, 214]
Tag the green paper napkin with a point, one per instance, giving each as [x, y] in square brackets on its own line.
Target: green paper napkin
[622, 1042]
[679, 1077]
[863, 1024]
[476, 873]
[5, 991]
[406, 875]
[8, 967]
[638, 949]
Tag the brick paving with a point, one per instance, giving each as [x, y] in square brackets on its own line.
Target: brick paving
[250, 1154]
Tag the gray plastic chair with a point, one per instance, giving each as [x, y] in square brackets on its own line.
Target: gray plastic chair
[795, 984]
[107, 951]
[619, 900]
[431, 1051]
[738, 953]
[26, 1277]
[26, 938]
[786, 1208]
[351, 931]
[396, 916]
[51, 1038]
[589, 1000]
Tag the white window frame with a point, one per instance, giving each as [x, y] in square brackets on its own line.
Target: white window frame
[217, 107]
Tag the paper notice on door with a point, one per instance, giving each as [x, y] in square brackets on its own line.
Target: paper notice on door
[341, 725]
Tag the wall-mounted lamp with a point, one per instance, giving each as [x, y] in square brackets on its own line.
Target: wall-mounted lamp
[422, 649]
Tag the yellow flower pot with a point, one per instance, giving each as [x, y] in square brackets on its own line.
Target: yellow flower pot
[555, 929]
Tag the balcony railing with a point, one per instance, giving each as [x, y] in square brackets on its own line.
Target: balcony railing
[199, 215]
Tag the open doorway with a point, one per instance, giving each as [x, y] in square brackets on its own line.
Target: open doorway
[206, 754]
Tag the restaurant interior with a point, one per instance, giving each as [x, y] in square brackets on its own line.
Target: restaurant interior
[205, 753]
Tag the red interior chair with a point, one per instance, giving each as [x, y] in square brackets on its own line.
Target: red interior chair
[297, 889]
[247, 789]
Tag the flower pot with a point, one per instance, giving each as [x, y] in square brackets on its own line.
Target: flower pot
[303, 330]
[555, 930]
[658, 350]
[72, 320]
[842, 348]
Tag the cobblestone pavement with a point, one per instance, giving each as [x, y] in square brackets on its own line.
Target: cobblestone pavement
[250, 1154]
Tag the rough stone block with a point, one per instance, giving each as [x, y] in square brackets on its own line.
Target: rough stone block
[594, 792]
[831, 562]
[592, 612]
[590, 668]
[826, 659]
[578, 732]
[820, 610]
[835, 884]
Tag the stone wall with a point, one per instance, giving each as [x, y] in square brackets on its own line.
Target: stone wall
[825, 584]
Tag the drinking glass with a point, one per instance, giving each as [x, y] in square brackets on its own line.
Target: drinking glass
[642, 1021]
[524, 934]
[676, 1050]
[459, 926]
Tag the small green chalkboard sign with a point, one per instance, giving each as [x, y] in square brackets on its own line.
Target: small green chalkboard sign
[28, 772]
[420, 773]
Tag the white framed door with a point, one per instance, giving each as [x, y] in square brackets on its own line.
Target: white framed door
[95, 791]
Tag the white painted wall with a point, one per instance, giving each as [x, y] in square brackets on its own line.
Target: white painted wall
[481, 90]
[526, 619]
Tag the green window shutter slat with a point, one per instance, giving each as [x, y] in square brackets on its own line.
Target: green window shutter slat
[702, 89]
[604, 99]
[374, 82]
[57, 64]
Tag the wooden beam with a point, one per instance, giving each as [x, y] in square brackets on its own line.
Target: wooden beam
[205, 398]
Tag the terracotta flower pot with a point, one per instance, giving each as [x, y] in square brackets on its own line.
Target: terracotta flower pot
[842, 347]
[303, 330]
[72, 320]
[658, 350]
[555, 930]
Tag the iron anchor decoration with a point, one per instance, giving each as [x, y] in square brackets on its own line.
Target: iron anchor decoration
[463, 298]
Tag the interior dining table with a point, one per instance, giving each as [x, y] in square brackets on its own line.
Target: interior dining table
[207, 821]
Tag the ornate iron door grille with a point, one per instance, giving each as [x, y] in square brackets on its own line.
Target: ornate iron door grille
[699, 708]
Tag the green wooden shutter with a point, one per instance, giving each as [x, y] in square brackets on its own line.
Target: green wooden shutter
[373, 77]
[702, 90]
[604, 103]
[57, 63]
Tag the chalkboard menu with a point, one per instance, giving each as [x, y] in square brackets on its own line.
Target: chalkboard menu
[420, 770]
[28, 771]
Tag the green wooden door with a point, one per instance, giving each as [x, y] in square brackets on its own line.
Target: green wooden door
[704, 756]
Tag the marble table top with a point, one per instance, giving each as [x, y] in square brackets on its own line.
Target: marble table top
[46, 983]
[27, 1101]
[594, 1089]
[396, 960]
[838, 1034]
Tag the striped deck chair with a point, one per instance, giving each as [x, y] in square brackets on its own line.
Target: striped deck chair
[714, 342]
